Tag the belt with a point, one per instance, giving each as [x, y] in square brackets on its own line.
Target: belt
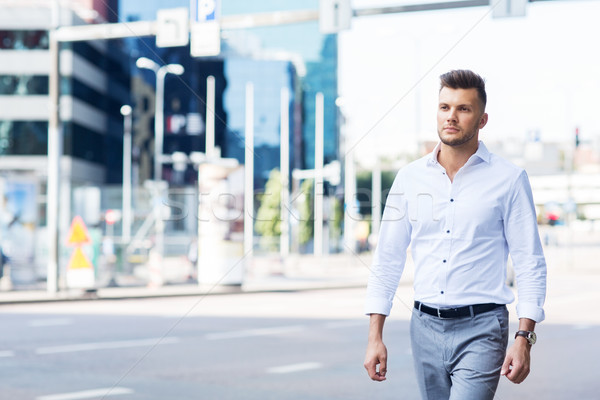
[458, 312]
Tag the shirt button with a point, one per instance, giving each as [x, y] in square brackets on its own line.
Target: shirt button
[451, 200]
[444, 261]
[448, 231]
[442, 292]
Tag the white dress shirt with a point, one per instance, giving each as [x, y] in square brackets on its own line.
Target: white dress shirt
[460, 234]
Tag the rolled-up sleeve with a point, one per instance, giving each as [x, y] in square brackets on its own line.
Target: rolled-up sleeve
[526, 251]
[390, 254]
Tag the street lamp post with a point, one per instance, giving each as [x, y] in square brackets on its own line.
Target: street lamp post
[156, 278]
[159, 115]
[127, 122]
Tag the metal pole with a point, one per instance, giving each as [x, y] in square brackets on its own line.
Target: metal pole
[349, 201]
[376, 199]
[159, 124]
[54, 156]
[249, 172]
[319, 154]
[158, 148]
[210, 117]
[127, 122]
[284, 245]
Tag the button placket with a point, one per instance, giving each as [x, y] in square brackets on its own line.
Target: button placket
[446, 234]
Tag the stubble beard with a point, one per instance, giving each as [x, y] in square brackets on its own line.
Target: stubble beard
[458, 141]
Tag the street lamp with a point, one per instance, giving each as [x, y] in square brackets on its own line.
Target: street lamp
[161, 72]
[127, 122]
[156, 278]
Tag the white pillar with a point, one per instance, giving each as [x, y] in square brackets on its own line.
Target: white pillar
[55, 147]
[159, 124]
[127, 217]
[249, 172]
[284, 245]
[376, 199]
[349, 201]
[319, 152]
[210, 117]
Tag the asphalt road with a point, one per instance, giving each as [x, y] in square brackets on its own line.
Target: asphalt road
[293, 345]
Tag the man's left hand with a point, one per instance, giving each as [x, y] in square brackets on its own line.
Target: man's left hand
[517, 362]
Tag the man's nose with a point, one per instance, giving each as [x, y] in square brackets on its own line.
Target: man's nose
[452, 115]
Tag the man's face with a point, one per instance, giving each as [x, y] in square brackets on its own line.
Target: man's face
[460, 116]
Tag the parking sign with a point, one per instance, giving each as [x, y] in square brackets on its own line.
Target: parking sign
[204, 10]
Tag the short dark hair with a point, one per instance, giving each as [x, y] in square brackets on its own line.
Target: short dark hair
[464, 79]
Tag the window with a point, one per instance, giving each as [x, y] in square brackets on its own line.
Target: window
[23, 137]
[24, 40]
[23, 85]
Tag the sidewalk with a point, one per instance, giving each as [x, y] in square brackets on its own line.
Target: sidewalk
[266, 273]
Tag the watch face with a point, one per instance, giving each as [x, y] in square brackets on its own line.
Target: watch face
[532, 337]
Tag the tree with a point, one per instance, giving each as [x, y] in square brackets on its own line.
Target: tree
[268, 217]
[307, 225]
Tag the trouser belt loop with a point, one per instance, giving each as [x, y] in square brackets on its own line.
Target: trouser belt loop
[472, 312]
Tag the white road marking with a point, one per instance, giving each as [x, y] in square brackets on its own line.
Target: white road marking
[87, 394]
[7, 353]
[288, 369]
[105, 345]
[254, 332]
[38, 323]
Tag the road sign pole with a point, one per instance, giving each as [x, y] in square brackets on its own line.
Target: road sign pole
[210, 117]
[319, 192]
[284, 245]
[249, 173]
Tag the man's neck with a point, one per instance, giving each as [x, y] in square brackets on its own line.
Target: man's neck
[452, 158]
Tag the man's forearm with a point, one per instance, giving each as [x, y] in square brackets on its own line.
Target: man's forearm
[376, 326]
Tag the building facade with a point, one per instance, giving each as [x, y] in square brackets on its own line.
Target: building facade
[94, 84]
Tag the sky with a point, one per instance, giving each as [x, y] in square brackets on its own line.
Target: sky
[541, 73]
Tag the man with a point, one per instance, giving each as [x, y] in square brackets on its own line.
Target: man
[462, 210]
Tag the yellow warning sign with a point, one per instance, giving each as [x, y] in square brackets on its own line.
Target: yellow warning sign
[79, 260]
[78, 233]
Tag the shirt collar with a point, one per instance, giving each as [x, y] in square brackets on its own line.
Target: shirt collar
[482, 153]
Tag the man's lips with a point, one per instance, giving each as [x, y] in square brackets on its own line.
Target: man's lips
[451, 128]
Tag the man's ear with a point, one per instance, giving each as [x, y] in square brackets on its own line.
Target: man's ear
[483, 121]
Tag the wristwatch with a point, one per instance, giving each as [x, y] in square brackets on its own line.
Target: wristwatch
[529, 335]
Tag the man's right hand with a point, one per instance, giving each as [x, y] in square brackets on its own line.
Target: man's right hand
[376, 356]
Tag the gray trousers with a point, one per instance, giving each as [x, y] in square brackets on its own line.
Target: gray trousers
[459, 359]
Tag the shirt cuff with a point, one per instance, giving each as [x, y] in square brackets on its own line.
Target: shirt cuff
[531, 311]
[378, 305]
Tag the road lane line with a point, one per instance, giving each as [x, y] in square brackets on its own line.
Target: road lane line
[254, 332]
[105, 345]
[288, 369]
[6, 354]
[87, 394]
[39, 323]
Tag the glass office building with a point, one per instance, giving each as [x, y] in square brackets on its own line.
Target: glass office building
[296, 56]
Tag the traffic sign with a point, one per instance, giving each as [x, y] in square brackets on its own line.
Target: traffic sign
[206, 39]
[509, 8]
[78, 233]
[205, 10]
[334, 15]
[173, 27]
[112, 216]
[79, 260]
